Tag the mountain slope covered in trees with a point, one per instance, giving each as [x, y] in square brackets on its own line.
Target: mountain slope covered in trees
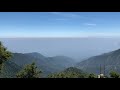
[108, 62]
[9, 70]
[46, 64]
[70, 72]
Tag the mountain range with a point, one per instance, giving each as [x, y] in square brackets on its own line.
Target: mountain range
[47, 65]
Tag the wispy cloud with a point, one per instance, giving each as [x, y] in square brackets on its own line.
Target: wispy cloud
[90, 24]
[67, 15]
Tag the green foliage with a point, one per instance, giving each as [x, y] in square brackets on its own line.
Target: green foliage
[9, 70]
[71, 72]
[4, 55]
[92, 76]
[114, 74]
[30, 71]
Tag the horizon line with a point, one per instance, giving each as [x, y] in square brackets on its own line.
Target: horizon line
[67, 37]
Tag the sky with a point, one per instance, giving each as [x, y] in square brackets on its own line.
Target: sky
[36, 28]
[59, 24]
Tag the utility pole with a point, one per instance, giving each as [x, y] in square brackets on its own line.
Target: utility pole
[104, 68]
[100, 68]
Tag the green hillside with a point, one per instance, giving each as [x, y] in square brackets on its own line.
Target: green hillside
[110, 61]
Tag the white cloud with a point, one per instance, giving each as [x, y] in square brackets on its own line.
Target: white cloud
[54, 12]
[74, 15]
[90, 24]
[66, 14]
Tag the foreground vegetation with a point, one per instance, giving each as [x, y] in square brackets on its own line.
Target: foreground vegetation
[71, 72]
[29, 71]
[4, 55]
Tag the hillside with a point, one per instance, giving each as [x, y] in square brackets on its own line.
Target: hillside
[111, 61]
[46, 64]
[70, 72]
[9, 70]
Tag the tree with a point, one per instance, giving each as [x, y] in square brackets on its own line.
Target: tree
[114, 74]
[29, 71]
[92, 75]
[66, 75]
[4, 55]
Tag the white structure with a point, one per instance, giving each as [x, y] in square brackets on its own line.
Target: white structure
[101, 76]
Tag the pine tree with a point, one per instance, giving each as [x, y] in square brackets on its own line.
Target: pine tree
[29, 71]
[4, 55]
[114, 74]
[92, 76]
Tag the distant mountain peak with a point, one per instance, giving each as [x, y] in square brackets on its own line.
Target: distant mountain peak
[35, 54]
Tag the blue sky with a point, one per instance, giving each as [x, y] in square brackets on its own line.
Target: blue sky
[59, 24]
